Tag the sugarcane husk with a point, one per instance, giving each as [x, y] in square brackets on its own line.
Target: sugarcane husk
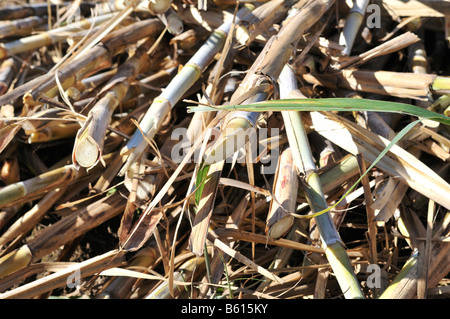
[209, 20]
[212, 237]
[188, 270]
[279, 220]
[172, 21]
[205, 206]
[386, 205]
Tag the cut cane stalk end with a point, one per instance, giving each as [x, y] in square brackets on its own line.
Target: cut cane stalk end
[15, 260]
[87, 153]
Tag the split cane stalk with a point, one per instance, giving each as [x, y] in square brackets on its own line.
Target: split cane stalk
[285, 190]
[90, 138]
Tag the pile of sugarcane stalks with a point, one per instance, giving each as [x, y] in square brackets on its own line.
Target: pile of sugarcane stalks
[140, 159]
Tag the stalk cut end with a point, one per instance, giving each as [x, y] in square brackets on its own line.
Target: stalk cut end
[281, 227]
[159, 6]
[15, 260]
[87, 153]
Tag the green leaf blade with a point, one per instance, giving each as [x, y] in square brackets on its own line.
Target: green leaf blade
[331, 104]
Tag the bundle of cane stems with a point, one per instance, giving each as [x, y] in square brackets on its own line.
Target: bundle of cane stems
[226, 149]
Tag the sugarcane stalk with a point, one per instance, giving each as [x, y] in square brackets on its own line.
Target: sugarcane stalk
[62, 277]
[27, 221]
[53, 133]
[393, 45]
[37, 185]
[236, 124]
[50, 37]
[16, 259]
[8, 70]
[92, 82]
[399, 84]
[14, 12]
[90, 138]
[352, 25]
[92, 61]
[258, 82]
[10, 172]
[372, 227]
[427, 8]
[184, 273]
[279, 220]
[121, 287]
[21, 27]
[333, 246]
[63, 231]
[346, 168]
[179, 85]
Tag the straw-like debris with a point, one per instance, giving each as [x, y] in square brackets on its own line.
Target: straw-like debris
[138, 162]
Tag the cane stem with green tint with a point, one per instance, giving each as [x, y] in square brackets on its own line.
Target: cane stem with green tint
[298, 140]
[188, 75]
